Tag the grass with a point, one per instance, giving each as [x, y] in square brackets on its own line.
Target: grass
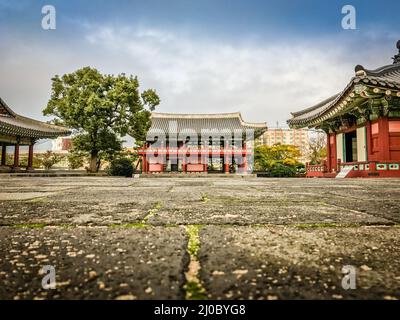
[152, 212]
[194, 291]
[129, 225]
[194, 239]
[193, 287]
[204, 197]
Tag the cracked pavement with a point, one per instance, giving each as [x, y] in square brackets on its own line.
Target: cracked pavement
[123, 238]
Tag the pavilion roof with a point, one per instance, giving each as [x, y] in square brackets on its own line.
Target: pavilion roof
[202, 122]
[16, 125]
[385, 80]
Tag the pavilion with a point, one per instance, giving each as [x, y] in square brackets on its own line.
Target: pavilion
[16, 131]
[199, 143]
[362, 124]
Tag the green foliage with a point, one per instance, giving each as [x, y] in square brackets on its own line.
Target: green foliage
[278, 160]
[49, 159]
[193, 239]
[101, 109]
[76, 159]
[194, 291]
[282, 170]
[121, 167]
[204, 197]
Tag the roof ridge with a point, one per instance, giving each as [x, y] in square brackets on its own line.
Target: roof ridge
[382, 70]
[196, 115]
[189, 116]
[42, 123]
[314, 107]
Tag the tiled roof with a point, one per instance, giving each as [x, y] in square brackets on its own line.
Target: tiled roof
[16, 125]
[385, 77]
[185, 123]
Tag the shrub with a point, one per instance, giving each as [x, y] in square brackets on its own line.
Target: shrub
[76, 160]
[121, 167]
[281, 170]
[49, 159]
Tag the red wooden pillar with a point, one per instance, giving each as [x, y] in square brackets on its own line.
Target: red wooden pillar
[184, 163]
[144, 159]
[3, 154]
[383, 138]
[328, 152]
[245, 157]
[30, 156]
[333, 153]
[226, 167]
[16, 155]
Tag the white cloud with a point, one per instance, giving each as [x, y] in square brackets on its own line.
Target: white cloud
[263, 79]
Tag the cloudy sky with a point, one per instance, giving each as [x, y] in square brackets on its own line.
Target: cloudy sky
[263, 58]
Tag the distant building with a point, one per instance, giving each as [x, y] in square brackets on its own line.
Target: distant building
[62, 144]
[297, 137]
[202, 143]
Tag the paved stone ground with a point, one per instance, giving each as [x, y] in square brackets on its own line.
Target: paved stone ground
[121, 238]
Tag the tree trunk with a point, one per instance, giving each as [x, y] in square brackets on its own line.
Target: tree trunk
[93, 162]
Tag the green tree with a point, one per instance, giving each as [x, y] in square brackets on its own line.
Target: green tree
[101, 109]
[76, 159]
[277, 160]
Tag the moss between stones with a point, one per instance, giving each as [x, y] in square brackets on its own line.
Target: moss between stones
[152, 212]
[193, 287]
[194, 239]
[194, 291]
[130, 225]
[204, 197]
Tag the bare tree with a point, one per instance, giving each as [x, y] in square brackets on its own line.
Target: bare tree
[317, 148]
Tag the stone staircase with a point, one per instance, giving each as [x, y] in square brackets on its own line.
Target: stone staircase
[344, 172]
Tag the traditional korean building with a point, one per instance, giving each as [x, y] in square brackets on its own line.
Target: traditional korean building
[362, 124]
[200, 143]
[16, 131]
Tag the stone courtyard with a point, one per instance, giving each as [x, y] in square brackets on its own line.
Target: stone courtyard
[199, 238]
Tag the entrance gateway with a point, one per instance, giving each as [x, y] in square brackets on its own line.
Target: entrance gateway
[362, 124]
